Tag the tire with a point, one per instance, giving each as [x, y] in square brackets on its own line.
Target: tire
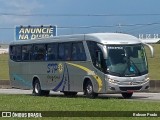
[127, 95]
[89, 90]
[70, 94]
[37, 88]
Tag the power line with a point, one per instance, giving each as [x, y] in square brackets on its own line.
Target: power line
[6, 28]
[142, 26]
[80, 15]
[98, 26]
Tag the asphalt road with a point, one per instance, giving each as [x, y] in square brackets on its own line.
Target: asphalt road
[136, 96]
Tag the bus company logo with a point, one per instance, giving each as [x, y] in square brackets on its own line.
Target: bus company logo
[60, 67]
[53, 67]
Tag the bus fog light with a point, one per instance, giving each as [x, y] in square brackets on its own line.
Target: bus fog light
[112, 88]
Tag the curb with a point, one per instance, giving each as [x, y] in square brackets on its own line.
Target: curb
[154, 85]
[5, 84]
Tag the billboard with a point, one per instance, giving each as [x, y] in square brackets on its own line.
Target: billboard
[34, 32]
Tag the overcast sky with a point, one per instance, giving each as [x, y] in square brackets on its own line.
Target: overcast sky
[123, 16]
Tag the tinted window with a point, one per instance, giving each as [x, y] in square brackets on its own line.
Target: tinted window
[26, 52]
[61, 51]
[52, 52]
[78, 52]
[64, 51]
[39, 52]
[96, 55]
[92, 49]
[15, 53]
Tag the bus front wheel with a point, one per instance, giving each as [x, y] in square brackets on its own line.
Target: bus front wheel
[37, 89]
[89, 90]
[127, 95]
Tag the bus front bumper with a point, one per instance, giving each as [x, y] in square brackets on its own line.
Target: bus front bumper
[131, 87]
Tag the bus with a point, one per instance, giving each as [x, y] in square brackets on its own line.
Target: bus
[95, 63]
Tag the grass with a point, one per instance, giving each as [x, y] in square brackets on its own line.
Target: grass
[4, 71]
[61, 103]
[154, 64]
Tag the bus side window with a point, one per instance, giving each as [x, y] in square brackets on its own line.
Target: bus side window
[39, 52]
[26, 52]
[61, 51]
[92, 50]
[64, 51]
[13, 53]
[52, 51]
[67, 51]
[78, 52]
[96, 55]
[18, 53]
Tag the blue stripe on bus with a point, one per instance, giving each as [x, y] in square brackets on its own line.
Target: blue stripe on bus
[56, 88]
[66, 78]
[21, 80]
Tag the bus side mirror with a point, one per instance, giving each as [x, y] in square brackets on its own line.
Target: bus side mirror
[151, 49]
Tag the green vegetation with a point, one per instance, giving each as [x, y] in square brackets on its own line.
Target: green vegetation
[80, 103]
[154, 64]
[4, 71]
[61, 103]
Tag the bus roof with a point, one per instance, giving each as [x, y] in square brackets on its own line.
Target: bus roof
[113, 38]
[104, 38]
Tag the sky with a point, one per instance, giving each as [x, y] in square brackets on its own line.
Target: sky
[79, 16]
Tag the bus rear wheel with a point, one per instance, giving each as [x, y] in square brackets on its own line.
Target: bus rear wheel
[37, 88]
[127, 95]
[89, 90]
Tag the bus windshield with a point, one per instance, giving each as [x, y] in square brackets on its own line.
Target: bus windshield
[126, 60]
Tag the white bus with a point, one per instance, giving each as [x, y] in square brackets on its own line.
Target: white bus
[96, 63]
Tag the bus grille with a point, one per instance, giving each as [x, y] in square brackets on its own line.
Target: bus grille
[130, 88]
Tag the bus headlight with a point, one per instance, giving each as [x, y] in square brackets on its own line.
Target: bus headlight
[113, 81]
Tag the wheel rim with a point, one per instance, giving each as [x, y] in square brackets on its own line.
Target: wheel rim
[37, 88]
[89, 89]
